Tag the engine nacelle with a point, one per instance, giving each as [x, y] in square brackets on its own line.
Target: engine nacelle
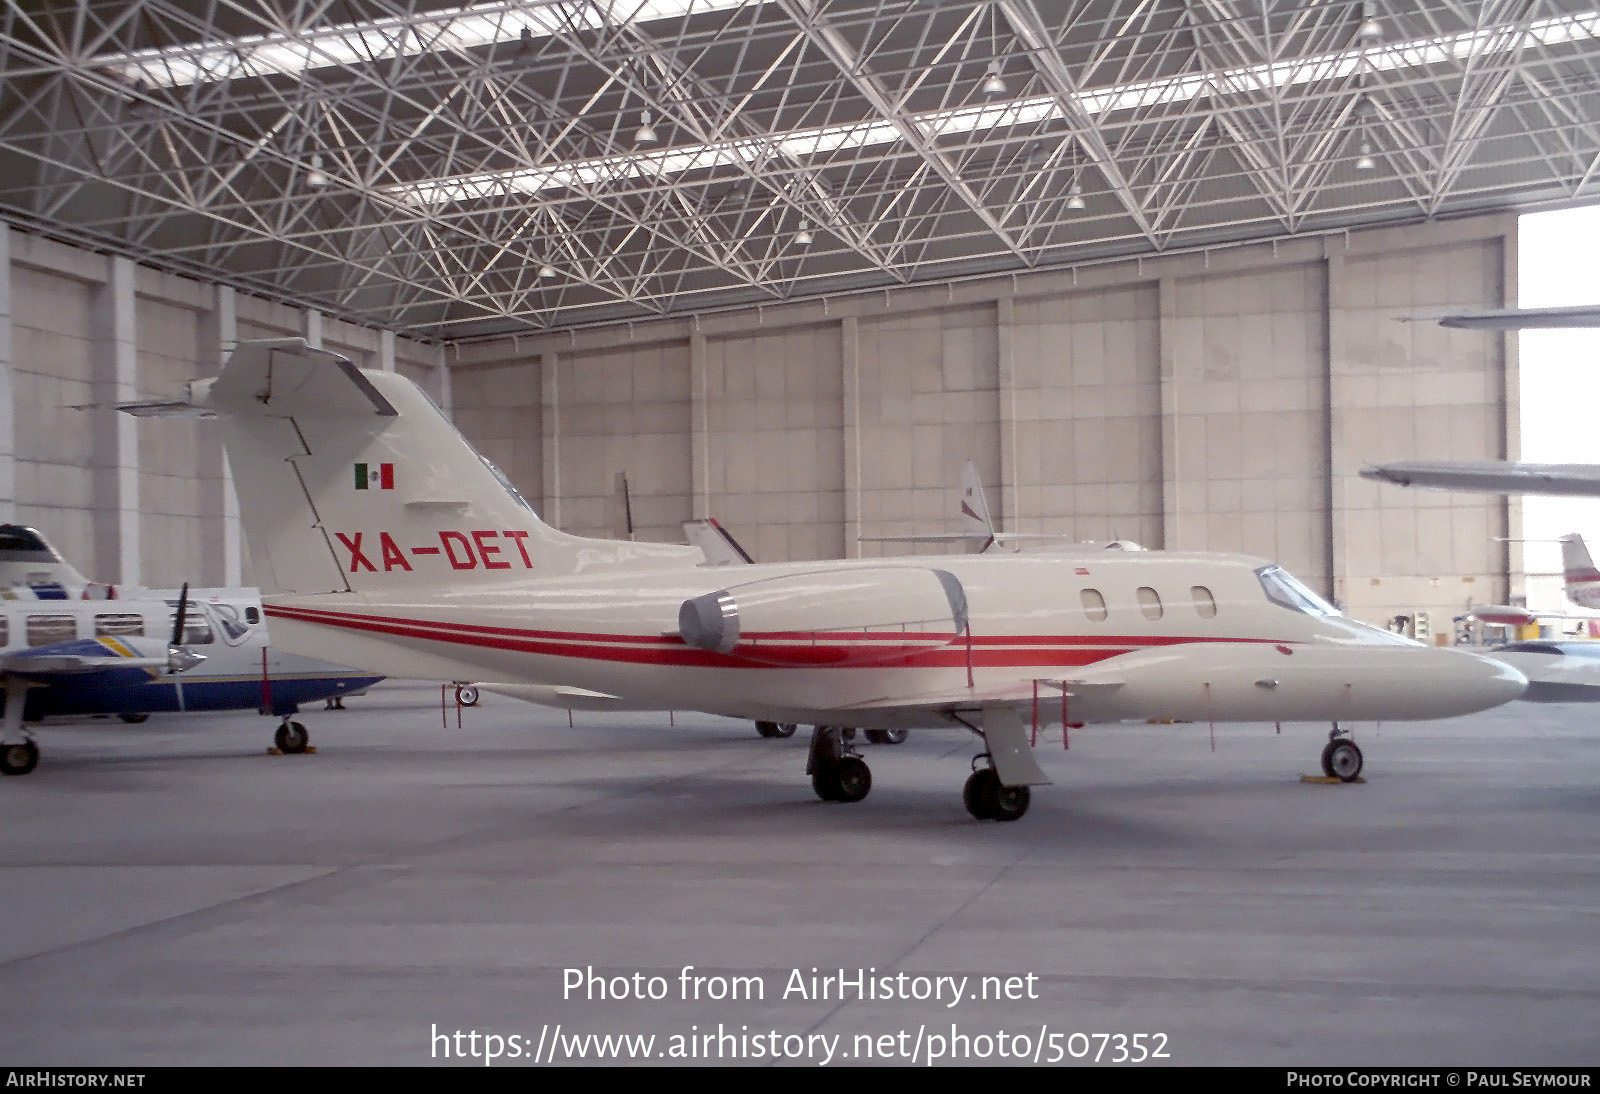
[830, 617]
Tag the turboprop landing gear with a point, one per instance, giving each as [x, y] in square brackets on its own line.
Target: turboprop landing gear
[18, 754]
[291, 737]
[886, 736]
[20, 758]
[776, 729]
[1341, 757]
[837, 773]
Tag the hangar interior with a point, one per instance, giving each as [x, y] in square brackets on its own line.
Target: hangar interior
[789, 264]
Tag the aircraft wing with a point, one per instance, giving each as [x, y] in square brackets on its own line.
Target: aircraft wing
[1582, 315]
[1574, 480]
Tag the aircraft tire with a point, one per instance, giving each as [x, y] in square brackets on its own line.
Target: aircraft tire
[1342, 760]
[467, 695]
[894, 737]
[767, 729]
[784, 729]
[291, 738]
[1009, 803]
[826, 783]
[976, 795]
[877, 737]
[853, 778]
[18, 759]
[133, 718]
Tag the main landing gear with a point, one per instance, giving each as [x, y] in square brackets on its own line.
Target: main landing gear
[18, 753]
[1341, 757]
[291, 737]
[777, 729]
[19, 758]
[986, 798]
[838, 773]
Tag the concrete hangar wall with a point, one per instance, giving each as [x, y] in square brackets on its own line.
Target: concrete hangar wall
[1220, 401]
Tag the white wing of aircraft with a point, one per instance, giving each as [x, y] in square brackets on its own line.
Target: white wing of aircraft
[72, 647]
[381, 537]
[1576, 316]
[1576, 480]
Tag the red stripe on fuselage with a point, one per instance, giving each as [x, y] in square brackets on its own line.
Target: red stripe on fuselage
[992, 652]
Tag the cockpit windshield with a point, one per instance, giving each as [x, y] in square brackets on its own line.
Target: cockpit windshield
[1284, 589]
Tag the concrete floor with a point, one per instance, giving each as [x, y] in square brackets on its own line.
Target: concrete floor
[171, 894]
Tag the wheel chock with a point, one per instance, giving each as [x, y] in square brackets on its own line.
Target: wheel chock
[1328, 780]
[274, 750]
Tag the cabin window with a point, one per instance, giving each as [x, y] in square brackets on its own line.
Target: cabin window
[119, 624]
[1149, 602]
[1204, 602]
[45, 629]
[252, 616]
[1094, 605]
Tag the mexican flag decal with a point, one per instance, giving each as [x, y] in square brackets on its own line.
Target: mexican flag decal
[375, 475]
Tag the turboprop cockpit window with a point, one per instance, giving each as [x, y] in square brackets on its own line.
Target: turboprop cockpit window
[1284, 589]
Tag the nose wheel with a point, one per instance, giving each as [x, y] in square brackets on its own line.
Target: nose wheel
[1341, 759]
[291, 737]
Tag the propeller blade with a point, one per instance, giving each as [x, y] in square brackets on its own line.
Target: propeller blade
[179, 620]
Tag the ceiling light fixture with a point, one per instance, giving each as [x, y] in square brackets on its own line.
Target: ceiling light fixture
[317, 178]
[1075, 198]
[1365, 162]
[993, 84]
[802, 238]
[1370, 29]
[646, 133]
[547, 271]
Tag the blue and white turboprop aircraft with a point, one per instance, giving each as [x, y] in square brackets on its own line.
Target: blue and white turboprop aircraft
[380, 536]
[69, 646]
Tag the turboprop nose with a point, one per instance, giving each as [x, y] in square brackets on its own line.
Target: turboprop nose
[1478, 683]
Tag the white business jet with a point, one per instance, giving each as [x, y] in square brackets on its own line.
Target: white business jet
[381, 537]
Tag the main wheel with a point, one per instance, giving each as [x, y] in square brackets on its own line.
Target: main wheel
[894, 737]
[467, 695]
[853, 778]
[291, 738]
[784, 729]
[134, 719]
[976, 795]
[1008, 803]
[1342, 760]
[767, 729]
[18, 759]
[877, 737]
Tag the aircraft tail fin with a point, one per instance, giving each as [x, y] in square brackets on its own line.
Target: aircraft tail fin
[1577, 568]
[31, 566]
[976, 521]
[354, 481]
